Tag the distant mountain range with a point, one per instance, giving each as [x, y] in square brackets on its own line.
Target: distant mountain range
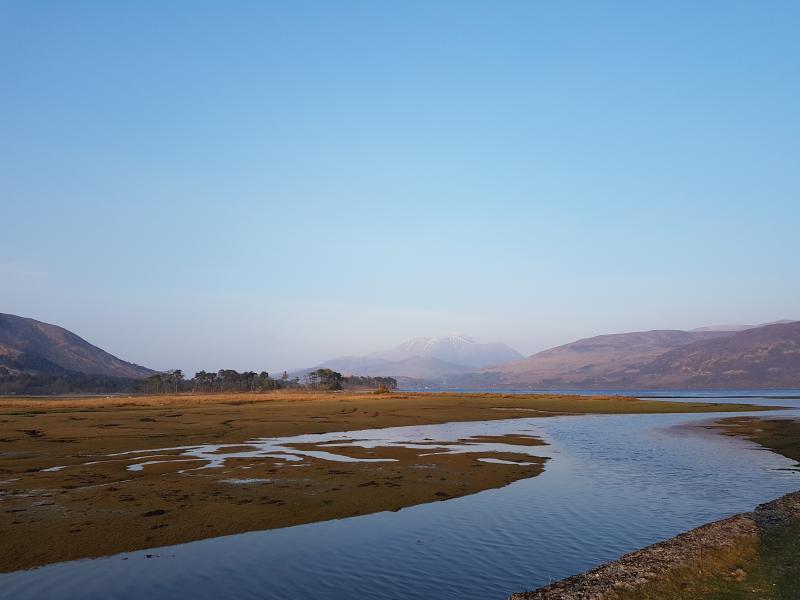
[715, 356]
[594, 357]
[740, 327]
[419, 367]
[727, 356]
[423, 358]
[762, 356]
[30, 346]
[455, 349]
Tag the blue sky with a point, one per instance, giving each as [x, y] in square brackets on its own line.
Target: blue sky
[269, 184]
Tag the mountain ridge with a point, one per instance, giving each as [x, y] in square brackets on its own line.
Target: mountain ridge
[422, 358]
[415, 367]
[760, 356]
[765, 355]
[36, 347]
[753, 357]
[595, 355]
[457, 349]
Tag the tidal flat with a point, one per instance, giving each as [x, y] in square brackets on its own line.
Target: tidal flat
[91, 477]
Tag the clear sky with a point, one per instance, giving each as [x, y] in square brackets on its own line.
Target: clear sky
[270, 184]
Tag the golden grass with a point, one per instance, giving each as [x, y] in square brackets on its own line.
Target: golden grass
[564, 403]
[61, 402]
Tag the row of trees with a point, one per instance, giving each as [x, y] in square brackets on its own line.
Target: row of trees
[328, 379]
[229, 380]
[224, 380]
[13, 381]
[64, 382]
[163, 383]
[325, 379]
[354, 382]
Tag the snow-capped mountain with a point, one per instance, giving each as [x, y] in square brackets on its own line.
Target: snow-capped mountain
[415, 367]
[425, 358]
[456, 349]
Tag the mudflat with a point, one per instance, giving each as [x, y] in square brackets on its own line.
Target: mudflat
[68, 489]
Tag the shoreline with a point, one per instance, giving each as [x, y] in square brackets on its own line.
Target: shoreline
[632, 574]
[744, 553]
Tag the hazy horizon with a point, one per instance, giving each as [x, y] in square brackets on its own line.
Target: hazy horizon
[270, 186]
[252, 364]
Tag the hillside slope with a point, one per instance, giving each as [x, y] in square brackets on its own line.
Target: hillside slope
[583, 361]
[767, 356]
[32, 346]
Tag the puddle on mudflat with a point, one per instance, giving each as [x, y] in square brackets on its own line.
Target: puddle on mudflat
[246, 481]
[322, 447]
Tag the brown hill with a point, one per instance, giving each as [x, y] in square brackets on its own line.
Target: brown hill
[767, 356]
[579, 363]
[32, 346]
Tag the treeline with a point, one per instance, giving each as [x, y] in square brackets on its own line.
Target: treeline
[328, 379]
[66, 382]
[224, 380]
[355, 382]
[174, 382]
[229, 380]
